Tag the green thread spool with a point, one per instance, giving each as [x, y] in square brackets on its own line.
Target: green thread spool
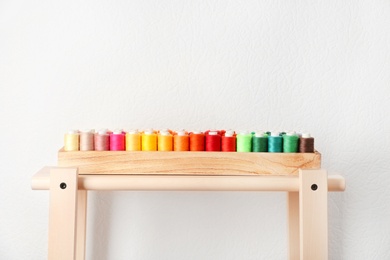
[259, 142]
[275, 143]
[244, 142]
[290, 142]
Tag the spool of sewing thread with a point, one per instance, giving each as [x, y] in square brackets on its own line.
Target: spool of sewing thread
[133, 140]
[306, 143]
[244, 141]
[102, 140]
[228, 141]
[87, 140]
[275, 143]
[290, 142]
[149, 140]
[165, 141]
[72, 141]
[260, 142]
[213, 141]
[196, 141]
[117, 141]
[181, 141]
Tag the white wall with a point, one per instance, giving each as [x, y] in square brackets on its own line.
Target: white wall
[317, 66]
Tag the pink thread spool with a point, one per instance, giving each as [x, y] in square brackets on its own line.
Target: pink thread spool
[117, 141]
[102, 141]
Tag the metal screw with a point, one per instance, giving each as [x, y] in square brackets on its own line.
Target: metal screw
[314, 187]
[63, 185]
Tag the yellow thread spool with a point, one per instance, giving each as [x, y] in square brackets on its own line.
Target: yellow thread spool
[133, 141]
[72, 141]
[149, 141]
[165, 142]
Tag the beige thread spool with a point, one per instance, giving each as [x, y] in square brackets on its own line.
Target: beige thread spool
[87, 140]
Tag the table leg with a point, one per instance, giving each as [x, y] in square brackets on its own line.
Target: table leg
[81, 224]
[293, 224]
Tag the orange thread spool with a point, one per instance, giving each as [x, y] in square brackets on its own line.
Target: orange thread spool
[196, 141]
[165, 142]
[181, 141]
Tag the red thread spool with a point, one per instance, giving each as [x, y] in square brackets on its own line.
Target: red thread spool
[196, 141]
[181, 141]
[213, 141]
[102, 141]
[228, 142]
[117, 141]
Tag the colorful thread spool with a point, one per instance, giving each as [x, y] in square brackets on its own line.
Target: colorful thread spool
[259, 142]
[102, 140]
[244, 142]
[275, 143]
[165, 141]
[213, 141]
[87, 140]
[72, 141]
[149, 140]
[117, 141]
[306, 144]
[181, 141]
[133, 140]
[228, 141]
[290, 142]
[196, 141]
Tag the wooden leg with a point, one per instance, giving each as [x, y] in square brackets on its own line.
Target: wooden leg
[313, 211]
[62, 213]
[293, 224]
[81, 224]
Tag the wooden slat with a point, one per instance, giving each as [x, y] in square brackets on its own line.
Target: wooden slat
[192, 163]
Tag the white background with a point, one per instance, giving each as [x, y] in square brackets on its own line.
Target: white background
[317, 66]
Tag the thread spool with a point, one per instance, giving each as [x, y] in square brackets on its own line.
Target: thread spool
[117, 141]
[244, 142]
[290, 142]
[275, 143]
[87, 140]
[196, 141]
[212, 141]
[72, 141]
[165, 142]
[181, 141]
[228, 141]
[306, 144]
[149, 140]
[133, 140]
[102, 140]
[260, 142]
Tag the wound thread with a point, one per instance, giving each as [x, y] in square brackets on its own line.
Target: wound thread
[87, 140]
[275, 143]
[102, 141]
[72, 141]
[117, 141]
[165, 141]
[260, 142]
[290, 142]
[133, 140]
[196, 141]
[213, 141]
[244, 142]
[149, 141]
[228, 141]
[306, 144]
[181, 141]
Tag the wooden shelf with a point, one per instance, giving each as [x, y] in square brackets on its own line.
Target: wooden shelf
[188, 163]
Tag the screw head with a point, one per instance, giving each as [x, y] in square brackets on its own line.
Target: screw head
[63, 185]
[314, 187]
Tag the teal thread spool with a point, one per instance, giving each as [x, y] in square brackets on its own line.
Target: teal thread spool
[290, 142]
[275, 143]
[259, 142]
[244, 142]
